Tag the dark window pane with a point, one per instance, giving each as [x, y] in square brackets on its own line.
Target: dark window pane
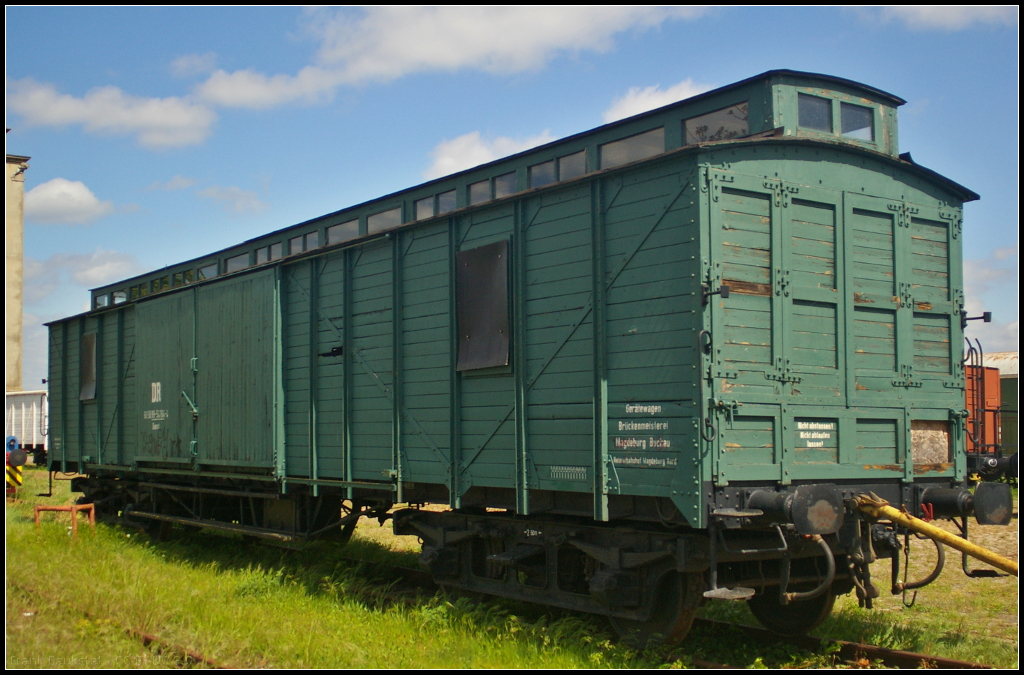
[208, 272]
[719, 125]
[480, 192]
[481, 293]
[312, 240]
[343, 232]
[386, 220]
[424, 208]
[177, 280]
[262, 255]
[87, 368]
[239, 262]
[276, 251]
[134, 292]
[633, 149]
[446, 202]
[504, 185]
[815, 112]
[294, 245]
[857, 121]
[572, 166]
[542, 174]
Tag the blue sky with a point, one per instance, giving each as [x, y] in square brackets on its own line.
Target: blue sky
[161, 134]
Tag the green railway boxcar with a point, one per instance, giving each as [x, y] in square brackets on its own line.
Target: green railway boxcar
[637, 363]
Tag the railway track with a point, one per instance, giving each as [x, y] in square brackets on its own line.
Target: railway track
[186, 655]
[853, 653]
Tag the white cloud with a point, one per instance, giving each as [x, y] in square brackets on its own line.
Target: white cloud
[194, 64]
[234, 199]
[996, 336]
[55, 288]
[384, 43]
[249, 89]
[949, 18]
[990, 285]
[1006, 252]
[34, 350]
[65, 202]
[176, 183]
[983, 276]
[97, 268]
[38, 281]
[638, 100]
[471, 150]
[155, 122]
[89, 270]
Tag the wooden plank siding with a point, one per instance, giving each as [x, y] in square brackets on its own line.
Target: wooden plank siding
[339, 365]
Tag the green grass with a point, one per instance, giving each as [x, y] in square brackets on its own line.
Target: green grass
[247, 605]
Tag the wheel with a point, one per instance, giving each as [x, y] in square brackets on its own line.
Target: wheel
[796, 618]
[676, 600]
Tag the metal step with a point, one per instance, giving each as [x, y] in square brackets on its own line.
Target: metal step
[737, 513]
[738, 593]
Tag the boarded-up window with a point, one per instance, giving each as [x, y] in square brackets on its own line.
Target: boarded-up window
[929, 441]
[482, 306]
[87, 364]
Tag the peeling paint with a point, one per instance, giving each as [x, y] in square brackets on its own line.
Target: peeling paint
[937, 467]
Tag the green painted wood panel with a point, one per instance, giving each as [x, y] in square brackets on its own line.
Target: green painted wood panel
[234, 371]
[845, 286]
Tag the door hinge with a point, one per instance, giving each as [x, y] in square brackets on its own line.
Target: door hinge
[906, 378]
[782, 372]
[780, 191]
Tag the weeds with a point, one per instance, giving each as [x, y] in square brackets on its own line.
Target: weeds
[257, 606]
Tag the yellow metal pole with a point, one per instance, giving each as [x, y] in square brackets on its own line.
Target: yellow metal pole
[879, 508]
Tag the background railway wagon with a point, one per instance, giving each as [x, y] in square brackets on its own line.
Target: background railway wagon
[25, 418]
[549, 332]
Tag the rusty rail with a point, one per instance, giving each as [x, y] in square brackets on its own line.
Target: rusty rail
[145, 638]
[852, 652]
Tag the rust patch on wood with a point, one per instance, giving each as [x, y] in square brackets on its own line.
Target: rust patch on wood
[747, 287]
[924, 306]
[936, 466]
[860, 299]
[883, 467]
[861, 387]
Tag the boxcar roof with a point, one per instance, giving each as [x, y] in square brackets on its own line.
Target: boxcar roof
[458, 183]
